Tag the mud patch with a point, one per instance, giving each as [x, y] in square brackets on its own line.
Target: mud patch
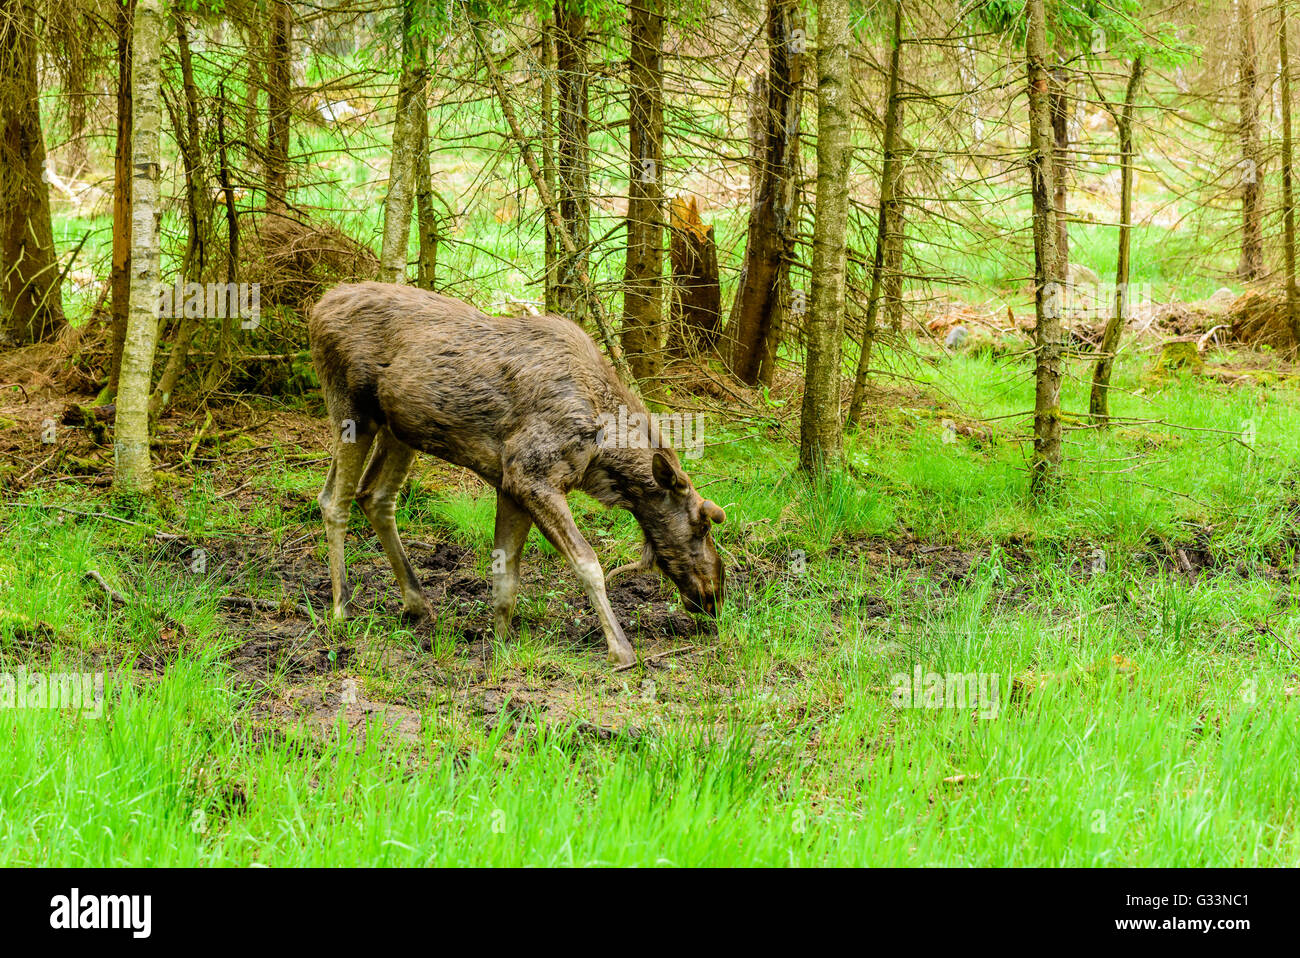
[288, 644]
[284, 649]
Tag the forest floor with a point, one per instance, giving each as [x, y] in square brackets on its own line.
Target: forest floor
[1124, 656]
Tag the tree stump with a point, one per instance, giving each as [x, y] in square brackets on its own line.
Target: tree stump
[697, 294]
[1181, 354]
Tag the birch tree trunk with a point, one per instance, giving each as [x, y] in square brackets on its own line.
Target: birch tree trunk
[31, 303]
[425, 218]
[133, 474]
[198, 202]
[1046, 460]
[120, 281]
[405, 151]
[819, 433]
[643, 271]
[1099, 401]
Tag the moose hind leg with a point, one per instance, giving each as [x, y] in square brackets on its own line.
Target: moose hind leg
[336, 504]
[377, 496]
[512, 525]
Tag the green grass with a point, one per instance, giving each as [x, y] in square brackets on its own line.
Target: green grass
[777, 742]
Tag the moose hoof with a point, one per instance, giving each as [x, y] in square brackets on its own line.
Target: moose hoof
[415, 616]
[503, 629]
[622, 657]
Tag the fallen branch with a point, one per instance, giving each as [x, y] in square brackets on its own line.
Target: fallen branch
[36, 468]
[78, 512]
[118, 599]
[198, 437]
[1201, 343]
[94, 576]
[263, 605]
[655, 658]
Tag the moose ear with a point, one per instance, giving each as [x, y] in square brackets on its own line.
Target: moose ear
[666, 473]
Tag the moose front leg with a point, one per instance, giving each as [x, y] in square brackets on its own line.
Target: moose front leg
[551, 513]
[512, 525]
[377, 496]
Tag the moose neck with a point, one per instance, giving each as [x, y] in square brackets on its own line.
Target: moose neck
[625, 478]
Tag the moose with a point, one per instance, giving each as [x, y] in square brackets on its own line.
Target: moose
[519, 402]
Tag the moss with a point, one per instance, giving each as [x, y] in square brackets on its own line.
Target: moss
[1180, 354]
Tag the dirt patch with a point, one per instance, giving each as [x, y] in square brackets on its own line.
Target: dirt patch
[459, 593]
[1201, 554]
[944, 562]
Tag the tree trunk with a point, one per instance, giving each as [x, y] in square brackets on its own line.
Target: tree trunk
[121, 274]
[1046, 460]
[643, 272]
[253, 86]
[819, 432]
[132, 471]
[278, 93]
[762, 297]
[888, 216]
[1251, 265]
[1288, 191]
[572, 160]
[66, 31]
[552, 245]
[405, 151]
[198, 202]
[31, 301]
[1099, 401]
[216, 368]
[1061, 109]
[567, 245]
[895, 240]
[426, 219]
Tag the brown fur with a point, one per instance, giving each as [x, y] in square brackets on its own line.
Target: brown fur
[515, 400]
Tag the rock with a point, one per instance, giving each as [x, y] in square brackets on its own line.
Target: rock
[1223, 298]
[1080, 275]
